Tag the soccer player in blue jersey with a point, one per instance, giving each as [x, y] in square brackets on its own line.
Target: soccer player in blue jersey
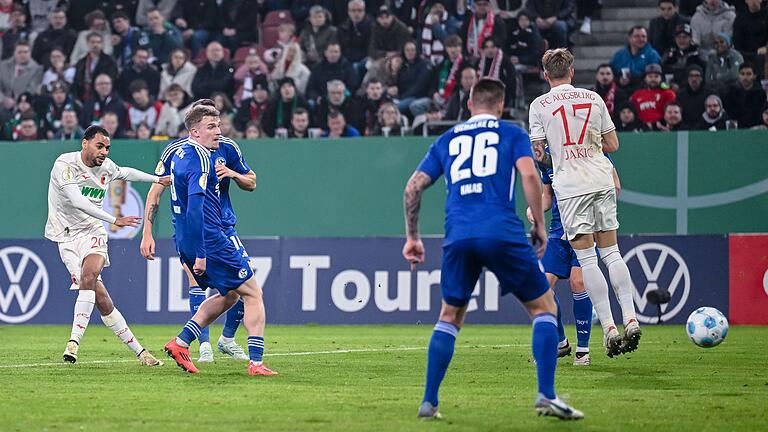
[479, 159]
[229, 165]
[215, 261]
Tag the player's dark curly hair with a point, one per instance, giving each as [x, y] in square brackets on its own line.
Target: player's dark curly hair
[93, 130]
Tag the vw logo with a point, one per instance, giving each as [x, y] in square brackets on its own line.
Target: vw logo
[668, 263]
[26, 280]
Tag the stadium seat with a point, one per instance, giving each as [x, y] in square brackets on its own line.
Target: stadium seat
[268, 37]
[242, 53]
[275, 18]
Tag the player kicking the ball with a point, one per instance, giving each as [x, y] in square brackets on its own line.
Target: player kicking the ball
[575, 125]
[79, 181]
[479, 159]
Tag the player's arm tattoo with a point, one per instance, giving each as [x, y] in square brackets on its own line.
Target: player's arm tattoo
[418, 182]
[152, 213]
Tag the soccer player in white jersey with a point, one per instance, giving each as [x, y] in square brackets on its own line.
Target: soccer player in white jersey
[79, 181]
[576, 126]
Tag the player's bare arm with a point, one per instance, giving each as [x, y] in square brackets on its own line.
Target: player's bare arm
[532, 188]
[546, 202]
[413, 251]
[245, 182]
[151, 208]
[610, 142]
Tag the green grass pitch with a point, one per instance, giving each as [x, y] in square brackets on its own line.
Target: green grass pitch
[370, 378]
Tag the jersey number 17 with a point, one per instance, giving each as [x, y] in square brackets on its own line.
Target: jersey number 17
[575, 107]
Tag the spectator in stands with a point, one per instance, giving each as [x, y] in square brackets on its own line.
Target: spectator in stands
[494, 64]
[253, 131]
[355, 36]
[125, 38]
[299, 124]
[628, 121]
[58, 70]
[23, 109]
[179, 71]
[368, 106]
[750, 34]
[285, 38]
[662, 30]
[386, 72]
[479, 25]
[437, 27]
[447, 74]
[691, 97]
[433, 114]
[281, 108]
[97, 23]
[198, 22]
[223, 103]
[681, 56]
[585, 10]
[95, 63]
[606, 87]
[338, 128]
[763, 119]
[333, 67]
[164, 6]
[228, 128]
[245, 74]
[240, 18]
[6, 7]
[711, 18]
[413, 82]
[389, 121]
[18, 31]
[19, 74]
[300, 9]
[142, 131]
[252, 109]
[317, 34]
[723, 65]
[457, 106]
[552, 19]
[651, 100]
[525, 43]
[39, 14]
[52, 106]
[160, 36]
[70, 129]
[388, 35]
[143, 109]
[673, 119]
[629, 62]
[290, 65]
[714, 118]
[58, 35]
[78, 9]
[139, 69]
[111, 122]
[335, 100]
[28, 129]
[176, 105]
[744, 100]
[215, 75]
[105, 99]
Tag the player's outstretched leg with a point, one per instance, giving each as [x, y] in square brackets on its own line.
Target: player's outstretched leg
[597, 287]
[582, 313]
[82, 316]
[563, 347]
[254, 318]
[196, 298]
[624, 289]
[227, 344]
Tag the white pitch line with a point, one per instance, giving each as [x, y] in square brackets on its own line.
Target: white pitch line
[300, 353]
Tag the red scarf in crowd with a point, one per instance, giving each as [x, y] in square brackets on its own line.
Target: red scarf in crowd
[451, 81]
[495, 70]
[475, 39]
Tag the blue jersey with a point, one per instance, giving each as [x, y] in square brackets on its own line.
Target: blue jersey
[195, 202]
[478, 159]
[228, 154]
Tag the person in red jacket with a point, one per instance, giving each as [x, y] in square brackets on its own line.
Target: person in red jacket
[651, 100]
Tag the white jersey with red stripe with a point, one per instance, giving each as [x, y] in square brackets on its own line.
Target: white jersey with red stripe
[573, 121]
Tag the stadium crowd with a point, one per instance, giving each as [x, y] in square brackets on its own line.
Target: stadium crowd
[339, 68]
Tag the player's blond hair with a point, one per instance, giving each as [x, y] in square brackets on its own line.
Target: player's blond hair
[557, 63]
[195, 115]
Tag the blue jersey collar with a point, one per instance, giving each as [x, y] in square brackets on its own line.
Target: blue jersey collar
[197, 144]
[482, 117]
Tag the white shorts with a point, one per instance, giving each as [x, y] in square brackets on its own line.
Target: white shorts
[73, 253]
[590, 213]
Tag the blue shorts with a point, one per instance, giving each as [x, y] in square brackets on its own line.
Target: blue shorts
[235, 240]
[514, 264]
[225, 269]
[559, 258]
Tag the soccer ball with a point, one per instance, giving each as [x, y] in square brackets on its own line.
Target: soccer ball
[707, 327]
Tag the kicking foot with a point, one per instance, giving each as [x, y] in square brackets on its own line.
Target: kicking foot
[581, 359]
[70, 352]
[631, 338]
[557, 408]
[260, 369]
[429, 412]
[564, 350]
[181, 355]
[232, 349]
[147, 359]
[206, 353]
[612, 342]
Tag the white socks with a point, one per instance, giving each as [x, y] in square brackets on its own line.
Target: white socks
[116, 323]
[83, 309]
[596, 286]
[620, 280]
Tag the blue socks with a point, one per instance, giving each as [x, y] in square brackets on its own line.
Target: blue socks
[582, 312]
[190, 332]
[235, 317]
[545, 352]
[255, 348]
[196, 298]
[439, 357]
[560, 327]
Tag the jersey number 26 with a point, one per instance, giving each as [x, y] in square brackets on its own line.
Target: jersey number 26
[484, 157]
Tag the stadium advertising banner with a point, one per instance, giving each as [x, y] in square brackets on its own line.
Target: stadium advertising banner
[347, 281]
[749, 279]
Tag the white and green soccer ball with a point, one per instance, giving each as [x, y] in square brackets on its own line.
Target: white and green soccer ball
[707, 327]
